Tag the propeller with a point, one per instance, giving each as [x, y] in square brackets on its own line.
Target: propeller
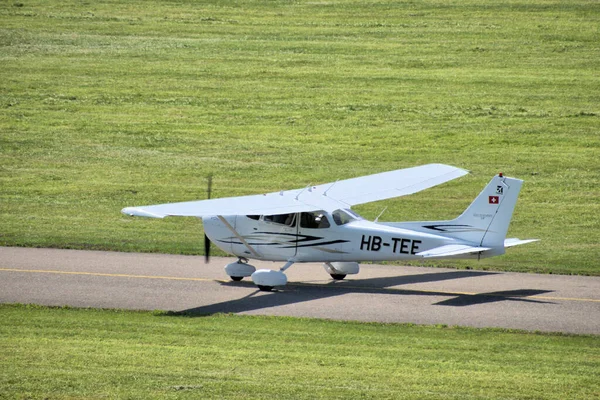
[206, 239]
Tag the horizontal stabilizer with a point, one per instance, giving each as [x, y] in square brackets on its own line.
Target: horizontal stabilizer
[515, 242]
[452, 250]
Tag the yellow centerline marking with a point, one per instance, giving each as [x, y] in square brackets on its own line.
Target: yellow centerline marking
[175, 278]
[565, 299]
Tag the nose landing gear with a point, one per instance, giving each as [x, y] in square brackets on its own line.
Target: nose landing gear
[239, 269]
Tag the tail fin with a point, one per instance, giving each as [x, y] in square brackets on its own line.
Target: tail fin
[481, 229]
[486, 220]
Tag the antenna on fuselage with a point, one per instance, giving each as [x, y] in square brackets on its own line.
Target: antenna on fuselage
[302, 191]
[380, 214]
[329, 188]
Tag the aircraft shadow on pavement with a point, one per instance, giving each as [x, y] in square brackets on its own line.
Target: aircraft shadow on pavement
[295, 293]
[507, 295]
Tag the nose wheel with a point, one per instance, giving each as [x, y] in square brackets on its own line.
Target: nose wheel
[239, 270]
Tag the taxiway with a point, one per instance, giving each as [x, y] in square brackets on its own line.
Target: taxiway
[379, 293]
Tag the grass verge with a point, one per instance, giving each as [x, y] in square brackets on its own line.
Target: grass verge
[62, 353]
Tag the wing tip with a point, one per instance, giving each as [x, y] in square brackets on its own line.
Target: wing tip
[139, 212]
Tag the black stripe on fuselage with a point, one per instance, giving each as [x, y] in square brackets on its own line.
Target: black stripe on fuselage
[451, 228]
[305, 238]
[319, 244]
[292, 243]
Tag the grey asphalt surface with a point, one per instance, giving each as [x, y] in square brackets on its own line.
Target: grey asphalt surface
[379, 293]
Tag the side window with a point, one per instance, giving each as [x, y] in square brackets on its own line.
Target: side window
[283, 219]
[313, 220]
[254, 217]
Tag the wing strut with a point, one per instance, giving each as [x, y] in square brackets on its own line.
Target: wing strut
[237, 235]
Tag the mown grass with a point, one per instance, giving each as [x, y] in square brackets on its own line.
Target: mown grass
[117, 103]
[60, 353]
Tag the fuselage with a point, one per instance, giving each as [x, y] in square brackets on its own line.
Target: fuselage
[317, 237]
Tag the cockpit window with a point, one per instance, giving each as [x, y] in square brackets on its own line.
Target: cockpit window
[254, 217]
[314, 220]
[342, 217]
[283, 219]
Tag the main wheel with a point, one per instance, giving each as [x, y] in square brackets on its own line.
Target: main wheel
[236, 278]
[267, 279]
[338, 277]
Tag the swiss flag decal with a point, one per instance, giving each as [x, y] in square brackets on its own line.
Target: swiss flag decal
[494, 199]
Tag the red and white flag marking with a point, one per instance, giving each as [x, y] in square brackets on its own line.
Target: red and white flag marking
[494, 199]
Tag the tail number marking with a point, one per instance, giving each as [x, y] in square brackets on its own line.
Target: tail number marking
[398, 245]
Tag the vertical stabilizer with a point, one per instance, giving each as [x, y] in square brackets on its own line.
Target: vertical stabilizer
[481, 228]
[486, 220]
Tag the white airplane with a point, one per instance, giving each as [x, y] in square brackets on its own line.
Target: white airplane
[316, 224]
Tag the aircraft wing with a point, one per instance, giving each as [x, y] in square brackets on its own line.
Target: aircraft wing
[387, 185]
[262, 204]
[331, 196]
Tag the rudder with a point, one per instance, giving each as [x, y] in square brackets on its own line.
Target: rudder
[484, 223]
[486, 220]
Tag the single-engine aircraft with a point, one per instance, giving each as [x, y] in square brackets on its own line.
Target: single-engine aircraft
[317, 224]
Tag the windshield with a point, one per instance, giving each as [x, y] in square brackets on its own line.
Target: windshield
[342, 217]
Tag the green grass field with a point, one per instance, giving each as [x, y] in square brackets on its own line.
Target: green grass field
[73, 354]
[108, 104]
